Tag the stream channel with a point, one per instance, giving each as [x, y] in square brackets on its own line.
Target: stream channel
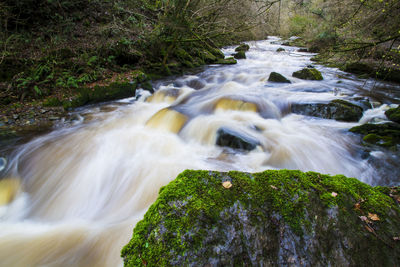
[80, 189]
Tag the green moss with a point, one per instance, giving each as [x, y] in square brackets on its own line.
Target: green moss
[226, 61]
[242, 47]
[308, 74]
[278, 78]
[52, 102]
[393, 114]
[386, 134]
[240, 55]
[358, 68]
[101, 94]
[195, 214]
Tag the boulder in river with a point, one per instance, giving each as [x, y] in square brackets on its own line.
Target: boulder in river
[337, 109]
[236, 140]
[9, 188]
[242, 47]
[308, 74]
[240, 55]
[358, 68]
[383, 134]
[277, 78]
[272, 218]
[226, 61]
[280, 49]
[393, 114]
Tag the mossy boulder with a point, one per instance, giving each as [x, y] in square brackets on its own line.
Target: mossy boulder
[278, 78]
[242, 47]
[337, 109]
[385, 135]
[308, 74]
[280, 49]
[240, 55]
[226, 61]
[208, 218]
[99, 94]
[393, 114]
[358, 68]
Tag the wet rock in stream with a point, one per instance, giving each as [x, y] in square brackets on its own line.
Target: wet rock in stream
[337, 109]
[273, 218]
[236, 140]
[308, 74]
[278, 78]
[383, 134]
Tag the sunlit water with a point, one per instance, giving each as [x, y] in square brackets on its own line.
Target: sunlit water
[82, 188]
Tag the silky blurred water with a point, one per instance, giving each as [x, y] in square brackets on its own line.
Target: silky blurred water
[84, 186]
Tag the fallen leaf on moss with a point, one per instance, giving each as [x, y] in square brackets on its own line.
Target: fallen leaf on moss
[396, 238]
[227, 184]
[274, 187]
[395, 197]
[369, 228]
[363, 218]
[373, 217]
[357, 206]
[334, 194]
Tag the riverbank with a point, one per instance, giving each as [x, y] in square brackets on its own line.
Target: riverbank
[61, 51]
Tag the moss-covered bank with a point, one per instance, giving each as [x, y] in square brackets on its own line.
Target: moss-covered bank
[270, 218]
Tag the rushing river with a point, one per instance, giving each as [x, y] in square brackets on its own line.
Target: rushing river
[81, 189]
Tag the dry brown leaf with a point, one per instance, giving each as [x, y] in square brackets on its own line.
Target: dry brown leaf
[357, 206]
[274, 187]
[395, 197]
[373, 217]
[227, 184]
[363, 218]
[369, 229]
[334, 194]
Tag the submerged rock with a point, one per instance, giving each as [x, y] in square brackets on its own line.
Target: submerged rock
[242, 47]
[3, 163]
[240, 55]
[308, 74]
[8, 190]
[277, 78]
[282, 218]
[337, 109]
[236, 140]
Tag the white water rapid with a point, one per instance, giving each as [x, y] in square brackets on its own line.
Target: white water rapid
[76, 193]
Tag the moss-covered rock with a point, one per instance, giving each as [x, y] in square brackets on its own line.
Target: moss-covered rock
[308, 74]
[280, 49]
[270, 218]
[393, 114]
[240, 55]
[386, 134]
[101, 94]
[226, 61]
[277, 78]
[337, 109]
[358, 68]
[242, 47]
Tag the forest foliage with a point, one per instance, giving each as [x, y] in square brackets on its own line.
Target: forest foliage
[52, 47]
[353, 30]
